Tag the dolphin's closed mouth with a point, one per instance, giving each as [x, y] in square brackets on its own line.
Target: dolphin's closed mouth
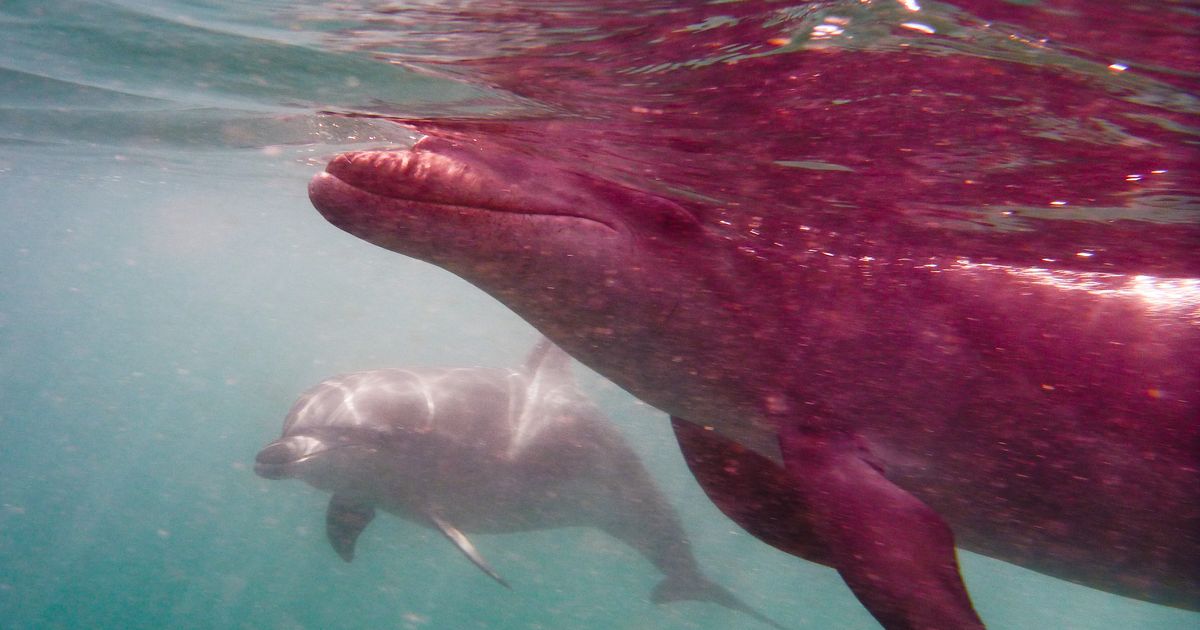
[275, 460]
[419, 176]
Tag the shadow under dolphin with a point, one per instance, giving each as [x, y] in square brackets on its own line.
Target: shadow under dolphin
[482, 450]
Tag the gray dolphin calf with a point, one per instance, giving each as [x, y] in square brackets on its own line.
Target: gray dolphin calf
[481, 450]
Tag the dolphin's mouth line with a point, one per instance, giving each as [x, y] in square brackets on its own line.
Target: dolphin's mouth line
[301, 460]
[435, 180]
[275, 470]
[328, 449]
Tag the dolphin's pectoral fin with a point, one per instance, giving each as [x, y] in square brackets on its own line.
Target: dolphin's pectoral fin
[464, 545]
[344, 521]
[892, 550]
[753, 491]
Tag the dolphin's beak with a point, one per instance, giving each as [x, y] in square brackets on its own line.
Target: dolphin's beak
[275, 460]
[272, 461]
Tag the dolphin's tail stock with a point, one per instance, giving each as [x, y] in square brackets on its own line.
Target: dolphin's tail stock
[673, 589]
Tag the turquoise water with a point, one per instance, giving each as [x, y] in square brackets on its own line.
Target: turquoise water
[166, 290]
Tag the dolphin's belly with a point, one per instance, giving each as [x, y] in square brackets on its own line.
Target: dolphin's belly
[1048, 425]
[506, 501]
[1065, 428]
[1087, 508]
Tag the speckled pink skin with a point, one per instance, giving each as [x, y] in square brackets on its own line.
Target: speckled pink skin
[1045, 416]
[882, 361]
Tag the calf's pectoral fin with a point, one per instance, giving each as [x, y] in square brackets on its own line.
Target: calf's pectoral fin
[344, 521]
[464, 545]
[893, 551]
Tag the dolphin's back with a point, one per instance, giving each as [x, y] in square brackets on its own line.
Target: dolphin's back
[460, 402]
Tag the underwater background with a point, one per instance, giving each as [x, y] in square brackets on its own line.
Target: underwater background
[167, 290]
